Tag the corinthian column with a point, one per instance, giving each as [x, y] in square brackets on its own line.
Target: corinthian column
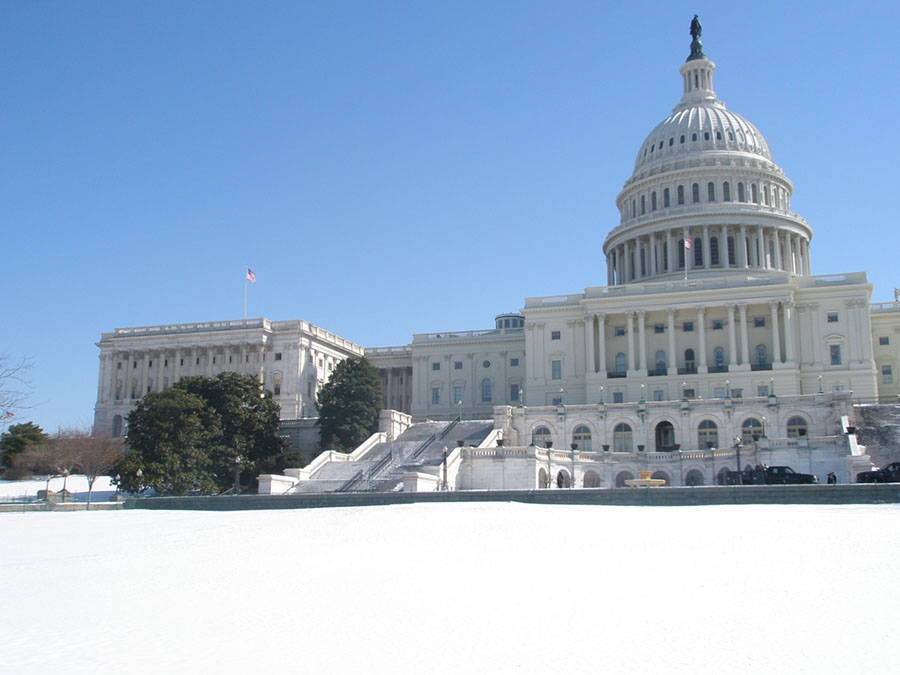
[642, 341]
[629, 337]
[776, 338]
[701, 321]
[745, 335]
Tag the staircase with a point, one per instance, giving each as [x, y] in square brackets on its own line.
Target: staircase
[878, 428]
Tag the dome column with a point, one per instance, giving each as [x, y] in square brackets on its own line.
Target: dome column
[723, 248]
[778, 264]
[707, 251]
[628, 262]
[745, 256]
[806, 266]
[788, 253]
[761, 251]
[670, 252]
[609, 269]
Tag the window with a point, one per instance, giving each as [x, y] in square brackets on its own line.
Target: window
[719, 392]
[742, 197]
[486, 387]
[689, 359]
[557, 400]
[434, 366]
[513, 392]
[711, 191]
[719, 358]
[622, 438]
[582, 436]
[759, 321]
[832, 317]
[694, 136]
[688, 393]
[717, 324]
[834, 352]
[671, 141]
[666, 198]
[620, 363]
[750, 428]
[618, 397]
[660, 361]
[726, 191]
[653, 201]
[513, 362]
[643, 204]
[714, 251]
[796, 427]
[762, 390]
[695, 193]
[658, 394]
[681, 139]
[754, 193]
[688, 326]
[762, 358]
[698, 252]
[737, 392]
[659, 328]
[457, 365]
[884, 340]
[707, 434]
[554, 335]
[556, 370]
[620, 330]
[457, 394]
[485, 364]
[731, 250]
[435, 395]
[277, 356]
[681, 192]
[540, 436]
[887, 375]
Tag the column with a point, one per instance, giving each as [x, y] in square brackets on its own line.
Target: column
[116, 358]
[193, 363]
[788, 308]
[389, 390]
[471, 358]
[688, 253]
[601, 343]
[670, 253]
[160, 364]
[128, 374]
[732, 339]
[176, 367]
[778, 265]
[776, 337]
[609, 269]
[723, 248]
[642, 342]
[761, 248]
[745, 335]
[210, 355]
[101, 382]
[701, 322]
[673, 359]
[789, 253]
[707, 257]
[806, 266]
[628, 270]
[744, 258]
[145, 366]
[589, 344]
[629, 337]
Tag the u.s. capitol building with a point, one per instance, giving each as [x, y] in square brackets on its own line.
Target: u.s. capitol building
[710, 332]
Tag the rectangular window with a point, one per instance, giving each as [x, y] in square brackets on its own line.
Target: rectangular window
[554, 335]
[688, 326]
[717, 324]
[277, 389]
[180, 362]
[658, 395]
[278, 356]
[556, 370]
[737, 393]
[759, 321]
[834, 352]
[620, 330]
[884, 340]
[513, 392]
[434, 366]
[762, 390]
[688, 393]
[887, 374]
[457, 394]
[513, 362]
[659, 328]
[150, 364]
[719, 392]
[457, 365]
[166, 363]
[832, 317]
[435, 396]
[229, 358]
[557, 400]
[618, 397]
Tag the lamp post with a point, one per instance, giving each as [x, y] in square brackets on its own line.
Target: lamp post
[737, 452]
[118, 478]
[237, 474]
[601, 395]
[65, 473]
[820, 385]
[642, 393]
[444, 464]
[137, 475]
[459, 411]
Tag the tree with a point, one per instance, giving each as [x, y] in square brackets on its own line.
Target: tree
[14, 386]
[195, 435]
[349, 404]
[17, 438]
[95, 456]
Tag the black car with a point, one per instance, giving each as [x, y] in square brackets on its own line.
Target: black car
[886, 474]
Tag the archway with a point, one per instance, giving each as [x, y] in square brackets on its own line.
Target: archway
[665, 437]
[694, 478]
[622, 476]
[721, 476]
[591, 479]
[563, 480]
[662, 474]
[542, 479]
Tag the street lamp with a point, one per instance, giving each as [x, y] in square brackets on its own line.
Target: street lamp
[237, 474]
[444, 464]
[642, 393]
[459, 410]
[601, 395]
[764, 426]
[820, 384]
[118, 478]
[737, 452]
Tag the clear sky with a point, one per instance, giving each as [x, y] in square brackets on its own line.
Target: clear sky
[389, 168]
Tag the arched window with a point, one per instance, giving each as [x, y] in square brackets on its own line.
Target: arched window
[731, 250]
[680, 194]
[762, 358]
[750, 428]
[660, 362]
[653, 201]
[766, 195]
[697, 245]
[689, 359]
[726, 191]
[719, 358]
[666, 200]
[620, 363]
[695, 193]
[622, 438]
[633, 208]
[582, 436]
[643, 204]
[117, 426]
[714, 251]
[797, 426]
[486, 390]
[711, 191]
[707, 435]
[754, 193]
[681, 254]
[741, 196]
[540, 436]
[665, 256]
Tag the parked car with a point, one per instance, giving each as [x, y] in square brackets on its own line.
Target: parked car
[886, 474]
[770, 475]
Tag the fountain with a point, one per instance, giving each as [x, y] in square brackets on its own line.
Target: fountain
[645, 480]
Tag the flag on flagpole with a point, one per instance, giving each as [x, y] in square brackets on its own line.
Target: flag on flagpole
[250, 276]
[9, 415]
[687, 241]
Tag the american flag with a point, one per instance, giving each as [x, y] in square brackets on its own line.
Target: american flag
[250, 276]
[687, 241]
[9, 415]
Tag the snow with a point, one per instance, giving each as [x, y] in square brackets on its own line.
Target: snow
[77, 485]
[453, 588]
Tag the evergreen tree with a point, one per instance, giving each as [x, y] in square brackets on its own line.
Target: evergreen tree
[17, 438]
[349, 404]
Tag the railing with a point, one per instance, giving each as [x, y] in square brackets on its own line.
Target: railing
[657, 372]
[880, 307]
[615, 375]
[497, 333]
[718, 369]
[760, 366]
[687, 371]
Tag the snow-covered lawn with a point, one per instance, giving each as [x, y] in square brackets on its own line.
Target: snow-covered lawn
[453, 588]
[77, 485]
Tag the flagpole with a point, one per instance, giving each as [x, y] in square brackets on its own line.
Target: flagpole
[245, 294]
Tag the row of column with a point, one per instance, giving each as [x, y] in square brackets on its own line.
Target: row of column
[788, 252]
[595, 338]
[396, 375]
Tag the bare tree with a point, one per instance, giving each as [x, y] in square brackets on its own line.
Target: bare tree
[14, 386]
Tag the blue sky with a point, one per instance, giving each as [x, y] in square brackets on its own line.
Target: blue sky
[389, 168]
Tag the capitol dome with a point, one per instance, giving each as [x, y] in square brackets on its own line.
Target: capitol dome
[706, 175]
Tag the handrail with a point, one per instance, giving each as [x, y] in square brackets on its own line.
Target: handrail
[350, 483]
